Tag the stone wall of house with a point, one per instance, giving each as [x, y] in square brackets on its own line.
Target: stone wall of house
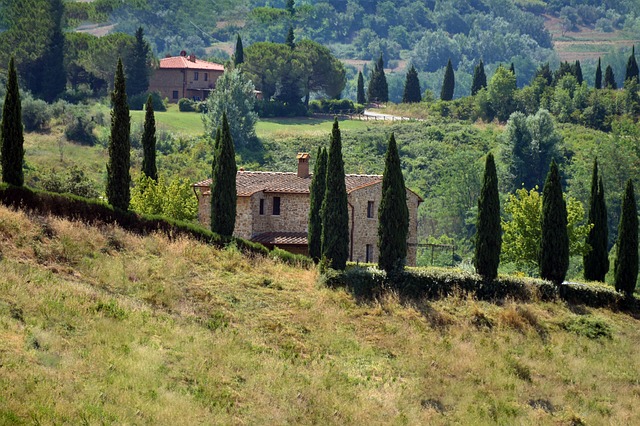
[293, 217]
[244, 216]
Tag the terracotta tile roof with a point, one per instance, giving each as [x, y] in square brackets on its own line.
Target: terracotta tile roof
[182, 62]
[281, 238]
[248, 183]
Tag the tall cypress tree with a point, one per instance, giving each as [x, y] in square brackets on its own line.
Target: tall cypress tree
[50, 72]
[393, 214]
[554, 245]
[488, 228]
[149, 142]
[632, 66]
[577, 71]
[223, 183]
[448, 84]
[118, 177]
[12, 137]
[609, 78]
[626, 265]
[378, 89]
[360, 90]
[412, 87]
[290, 40]
[238, 56]
[317, 190]
[479, 78]
[291, 7]
[137, 65]
[335, 214]
[596, 262]
[598, 82]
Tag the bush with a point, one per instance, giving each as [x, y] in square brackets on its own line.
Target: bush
[186, 105]
[334, 106]
[267, 109]
[73, 181]
[78, 94]
[36, 114]
[137, 102]
[80, 130]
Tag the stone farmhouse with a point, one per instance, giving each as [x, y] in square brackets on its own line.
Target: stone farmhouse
[185, 77]
[273, 209]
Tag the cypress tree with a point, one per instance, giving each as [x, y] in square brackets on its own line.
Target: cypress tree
[378, 89]
[238, 56]
[488, 229]
[118, 177]
[290, 40]
[598, 83]
[12, 137]
[149, 142]
[554, 245]
[626, 264]
[50, 73]
[596, 262]
[335, 214]
[223, 182]
[291, 7]
[393, 214]
[479, 78]
[412, 87]
[137, 65]
[609, 78]
[360, 90]
[448, 84]
[317, 190]
[577, 71]
[512, 68]
[632, 66]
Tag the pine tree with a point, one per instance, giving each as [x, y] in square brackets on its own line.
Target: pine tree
[577, 71]
[554, 244]
[626, 264]
[51, 73]
[149, 142]
[291, 7]
[479, 78]
[317, 190]
[378, 90]
[412, 87]
[448, 84]
[393, 214]
[223, 183]
[360, 90]
[137, 65]
[609, 78]
[238, 56]
[598, 83]
[118, 177]
[12, 137]
[632, 66]
[596, 262]
[488, 228]
[335, 214]
[290, 40]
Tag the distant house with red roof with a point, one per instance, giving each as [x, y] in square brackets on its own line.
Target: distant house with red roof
[185, 77]
[273, 209]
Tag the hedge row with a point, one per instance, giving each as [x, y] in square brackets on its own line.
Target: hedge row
[94, 211]
[435, 283]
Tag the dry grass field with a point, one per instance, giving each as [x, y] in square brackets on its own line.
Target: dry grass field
[100, 326]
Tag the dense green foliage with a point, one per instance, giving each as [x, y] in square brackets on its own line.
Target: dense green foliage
[11, 136]
[596, 261]
[609, 78]
[118, 176]
[238, 55]
[626, 264]
[378, 89]
[412, 92]
[393, 214]
[148, 142]
[360, 96]
[632, 66]
[554, 244]
[137, 65]
[316, 197]
[488, 239]
[598, 77]
[223, 182]
[335, 214]
[479, 78]
[448, 83]
[173, 200]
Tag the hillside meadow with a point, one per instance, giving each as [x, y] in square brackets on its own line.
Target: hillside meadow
[101, 326]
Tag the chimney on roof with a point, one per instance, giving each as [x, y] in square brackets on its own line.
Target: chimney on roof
[303, 165]
[192, 57]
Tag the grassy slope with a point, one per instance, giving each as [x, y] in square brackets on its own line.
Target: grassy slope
[98, 325]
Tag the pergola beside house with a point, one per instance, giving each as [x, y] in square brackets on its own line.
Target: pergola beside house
[185, 77]
[273, 209]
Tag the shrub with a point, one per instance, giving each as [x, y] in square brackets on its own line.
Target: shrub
[334, 106]
[186, 105]
[80, 130]
[266, 108]
[137, 102]
[73, 181]
[36, 114]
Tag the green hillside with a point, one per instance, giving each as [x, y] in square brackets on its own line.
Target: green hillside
[100, 326]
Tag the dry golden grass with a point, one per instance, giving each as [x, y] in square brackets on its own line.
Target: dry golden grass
[100, 326]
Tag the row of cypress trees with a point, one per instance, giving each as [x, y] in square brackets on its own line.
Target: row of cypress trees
[554, 248]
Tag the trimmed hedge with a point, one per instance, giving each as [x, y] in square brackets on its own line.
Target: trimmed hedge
[94, 211]
[436, 283]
